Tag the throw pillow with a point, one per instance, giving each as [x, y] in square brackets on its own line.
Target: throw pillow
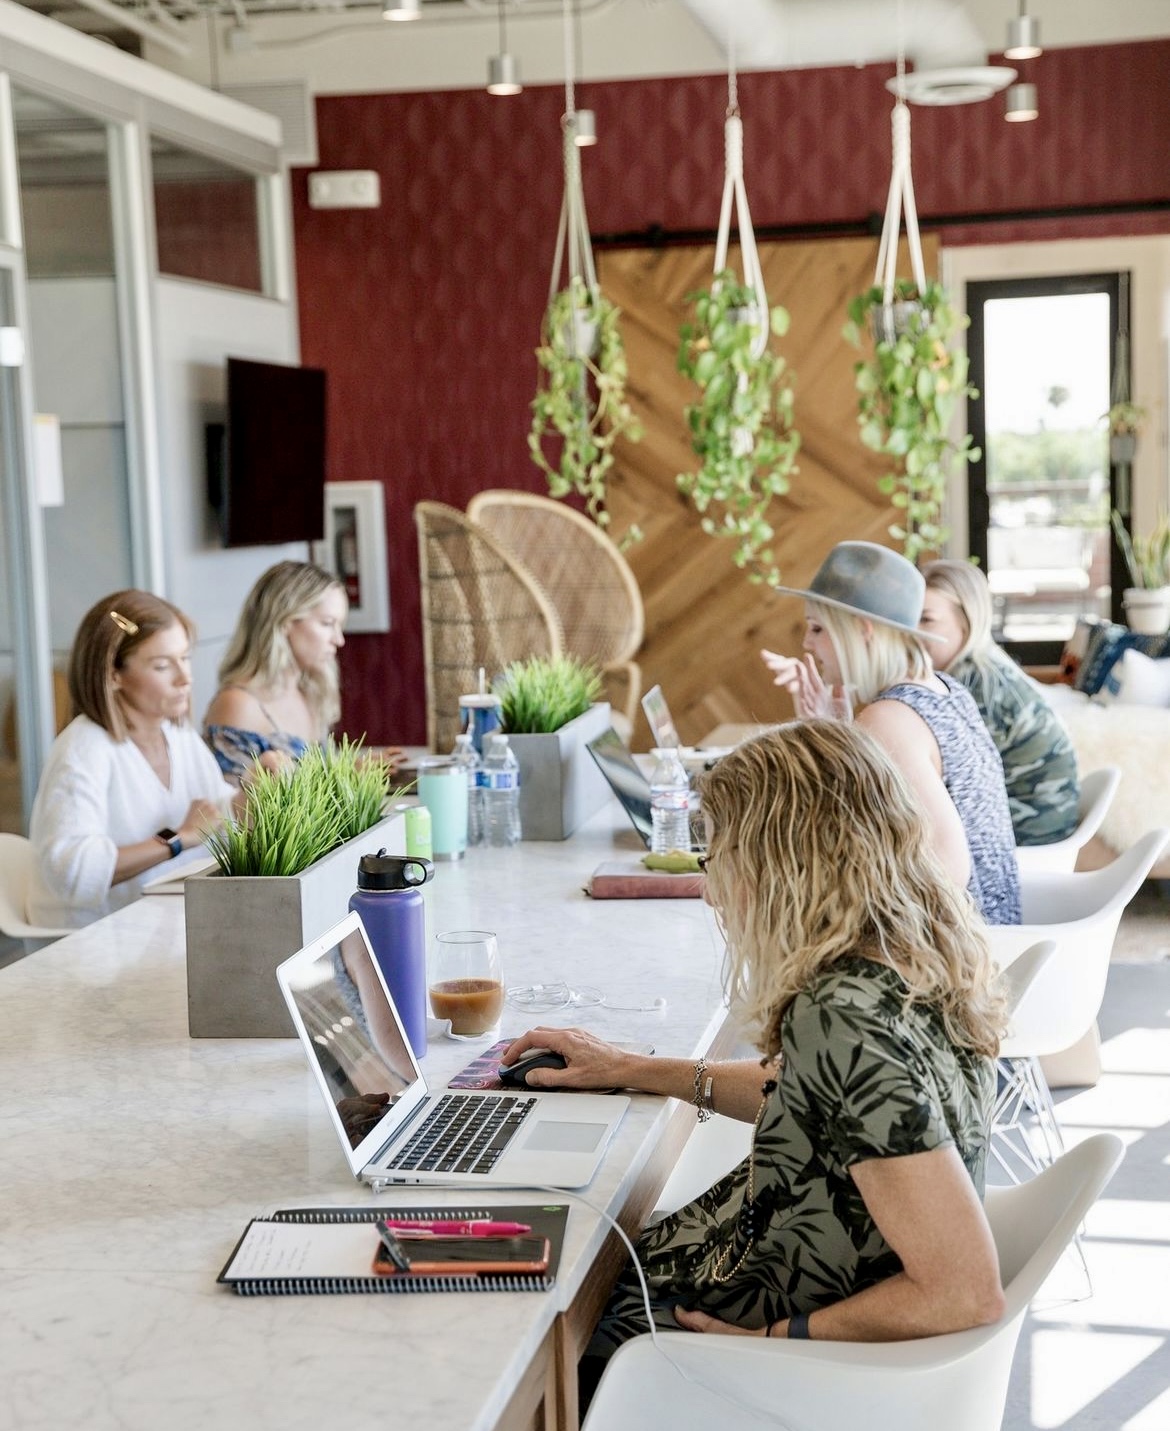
[1137, 680]
[1107, 643]
[1077, 645]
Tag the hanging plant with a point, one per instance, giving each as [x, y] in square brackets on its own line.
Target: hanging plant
[741, 425]
[1125, 420]
[906, 397]
[581, 398]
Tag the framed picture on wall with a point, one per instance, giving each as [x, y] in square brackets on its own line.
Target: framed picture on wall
[354, 549]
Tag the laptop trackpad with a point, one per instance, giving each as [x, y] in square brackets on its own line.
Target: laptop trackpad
[552, 1137]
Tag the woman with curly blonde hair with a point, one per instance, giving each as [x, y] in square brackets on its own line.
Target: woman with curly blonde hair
[863, 972]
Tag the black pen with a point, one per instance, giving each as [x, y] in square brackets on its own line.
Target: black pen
[393, 1248]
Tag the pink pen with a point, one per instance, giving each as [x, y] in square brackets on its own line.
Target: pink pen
[458, 1229]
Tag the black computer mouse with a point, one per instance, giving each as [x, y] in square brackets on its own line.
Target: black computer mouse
[515, 1075]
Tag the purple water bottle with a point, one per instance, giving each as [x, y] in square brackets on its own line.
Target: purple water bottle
[391, 908]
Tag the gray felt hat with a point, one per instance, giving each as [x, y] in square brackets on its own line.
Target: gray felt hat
[871, 581]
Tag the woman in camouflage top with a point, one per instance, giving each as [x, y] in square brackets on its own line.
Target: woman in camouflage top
[860, 966]
[1039, 763]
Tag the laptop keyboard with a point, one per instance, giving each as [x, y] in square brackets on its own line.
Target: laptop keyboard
[462, 1134]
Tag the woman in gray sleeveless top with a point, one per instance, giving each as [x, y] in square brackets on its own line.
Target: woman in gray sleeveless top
[863, 646]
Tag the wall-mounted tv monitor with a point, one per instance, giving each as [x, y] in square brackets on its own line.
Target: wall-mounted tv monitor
[266, 465]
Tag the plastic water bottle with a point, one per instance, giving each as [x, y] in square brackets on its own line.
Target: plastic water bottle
[465, 755]
[499, 786]
[391, 906]
[670, 804]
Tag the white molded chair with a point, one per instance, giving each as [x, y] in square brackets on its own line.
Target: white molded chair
[1097, 791]
[696, 1383]
[719, 1144]
[1081, 912]
[15, 864]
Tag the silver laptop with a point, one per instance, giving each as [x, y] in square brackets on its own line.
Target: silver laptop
[391, 1129]
[624, 776]
[659, 718]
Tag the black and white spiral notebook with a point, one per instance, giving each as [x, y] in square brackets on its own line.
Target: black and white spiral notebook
[309, 1250]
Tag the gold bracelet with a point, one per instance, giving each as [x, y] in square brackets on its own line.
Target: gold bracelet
[702, 1094]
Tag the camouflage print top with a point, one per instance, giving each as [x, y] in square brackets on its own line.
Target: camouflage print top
[1039, 764]
[863, 1076]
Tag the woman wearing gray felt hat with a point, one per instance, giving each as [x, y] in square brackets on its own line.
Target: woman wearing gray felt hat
[863, 648]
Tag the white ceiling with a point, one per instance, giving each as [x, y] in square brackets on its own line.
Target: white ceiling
[340, 46]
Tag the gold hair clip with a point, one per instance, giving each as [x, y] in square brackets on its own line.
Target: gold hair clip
[123, 623]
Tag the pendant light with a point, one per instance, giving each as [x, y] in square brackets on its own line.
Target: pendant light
[504, 68]
[1021, 104]
[1023, 37]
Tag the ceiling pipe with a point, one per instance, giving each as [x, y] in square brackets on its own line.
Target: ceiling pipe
[128, 20]
[792, 34]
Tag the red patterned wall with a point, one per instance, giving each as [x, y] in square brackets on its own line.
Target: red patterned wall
[425, 311]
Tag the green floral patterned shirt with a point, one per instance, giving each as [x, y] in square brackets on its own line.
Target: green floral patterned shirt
[863, 1076]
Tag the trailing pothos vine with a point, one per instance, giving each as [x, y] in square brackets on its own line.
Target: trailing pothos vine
[581, 398]
[906, 398]
[741, 424]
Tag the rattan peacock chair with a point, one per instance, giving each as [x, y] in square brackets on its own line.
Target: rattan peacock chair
[586, 577]
[480, 608]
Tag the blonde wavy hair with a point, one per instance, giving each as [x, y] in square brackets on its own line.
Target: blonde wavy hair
[966, 586]
[259, 649]
[870, 663]
[818, 854]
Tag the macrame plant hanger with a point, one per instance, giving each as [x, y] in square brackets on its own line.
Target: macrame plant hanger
[900, 198]
[573, 228]
[735, 193]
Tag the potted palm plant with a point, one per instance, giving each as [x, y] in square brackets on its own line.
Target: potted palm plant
[550, 711]
[285, 871]
[741, 423]
[907, 393]
[1147, 601]
[581, 398]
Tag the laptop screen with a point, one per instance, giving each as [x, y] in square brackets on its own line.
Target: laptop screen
[659, 718]
[358, 1049]
[625, 779]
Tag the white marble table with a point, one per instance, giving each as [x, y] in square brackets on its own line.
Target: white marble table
[132, 1157]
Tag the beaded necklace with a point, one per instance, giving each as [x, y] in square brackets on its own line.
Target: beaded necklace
[750, 1222]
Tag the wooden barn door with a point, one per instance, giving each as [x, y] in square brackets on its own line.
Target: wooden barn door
[705, 622]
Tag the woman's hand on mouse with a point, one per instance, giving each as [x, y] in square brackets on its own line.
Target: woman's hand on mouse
[590, 1062]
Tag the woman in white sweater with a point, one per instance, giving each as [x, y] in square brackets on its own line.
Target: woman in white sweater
[128, 785]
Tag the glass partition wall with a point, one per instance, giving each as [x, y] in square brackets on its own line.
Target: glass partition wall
[98, 199]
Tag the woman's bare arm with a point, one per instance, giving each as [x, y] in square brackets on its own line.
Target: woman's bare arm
[908, 741]
[592, 1063]
[926, 1207]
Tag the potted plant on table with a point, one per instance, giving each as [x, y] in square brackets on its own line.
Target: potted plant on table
[285, 871]
[581, 398]
[549, 709]
[741, 423]
[906, 398]
[1147, 602]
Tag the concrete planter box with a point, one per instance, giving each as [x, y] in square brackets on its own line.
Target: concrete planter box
[560, 784]
[239, 929]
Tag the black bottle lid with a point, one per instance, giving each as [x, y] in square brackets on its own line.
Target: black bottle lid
[383, 871]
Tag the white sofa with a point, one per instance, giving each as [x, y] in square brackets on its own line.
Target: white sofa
[1136, 738]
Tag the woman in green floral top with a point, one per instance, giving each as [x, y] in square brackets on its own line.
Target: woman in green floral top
[860, 966]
